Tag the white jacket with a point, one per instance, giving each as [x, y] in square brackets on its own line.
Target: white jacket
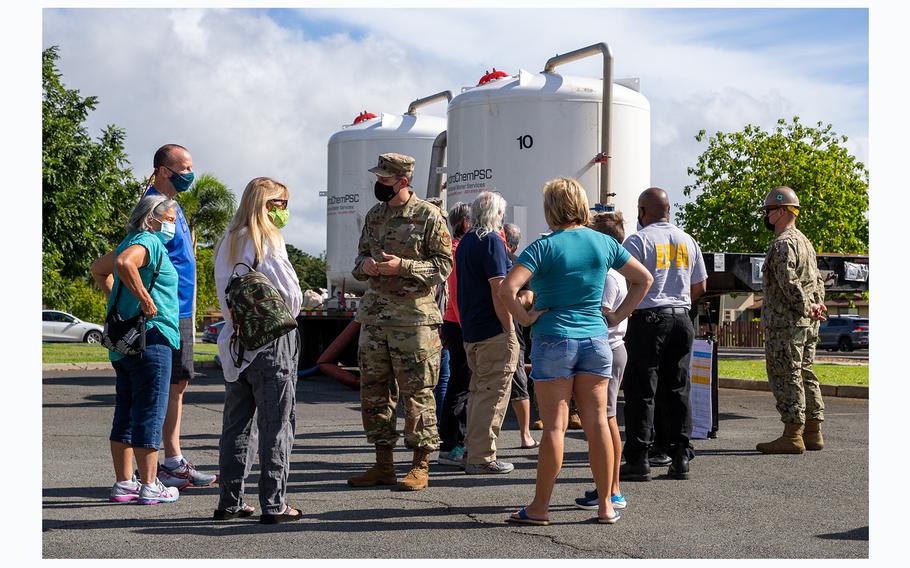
[277, 268]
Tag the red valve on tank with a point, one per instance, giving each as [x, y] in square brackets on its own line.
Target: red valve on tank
[364, 116]
[492, 76]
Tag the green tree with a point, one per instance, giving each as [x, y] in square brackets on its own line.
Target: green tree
[310, 269]
[88, 187]
[736, 171]
[208, 207]
[206, 292]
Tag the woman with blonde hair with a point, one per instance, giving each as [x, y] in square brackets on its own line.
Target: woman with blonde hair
[570, 349]
[265, 380]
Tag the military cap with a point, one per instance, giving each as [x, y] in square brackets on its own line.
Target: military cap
[394, 165]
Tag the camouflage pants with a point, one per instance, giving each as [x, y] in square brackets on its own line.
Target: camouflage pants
[401, 361]
[789, 354]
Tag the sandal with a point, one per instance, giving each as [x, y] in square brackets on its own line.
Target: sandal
[225, 514]
[536, 444]
[284, 517]
[610, 520]
[522, 518]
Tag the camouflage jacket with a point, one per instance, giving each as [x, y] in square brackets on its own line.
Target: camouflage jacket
[790, 281]
[417, 233]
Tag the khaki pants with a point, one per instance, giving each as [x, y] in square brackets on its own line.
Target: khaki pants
[492, 362]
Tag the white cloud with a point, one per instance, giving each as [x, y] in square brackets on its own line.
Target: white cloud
[251, 98]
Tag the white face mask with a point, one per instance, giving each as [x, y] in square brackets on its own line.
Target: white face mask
[167, 232]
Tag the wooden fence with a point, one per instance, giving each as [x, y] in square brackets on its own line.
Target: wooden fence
[738, 334]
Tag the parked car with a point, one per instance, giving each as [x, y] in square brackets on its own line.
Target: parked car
[61, 326]
[844, 333]
[210, 335]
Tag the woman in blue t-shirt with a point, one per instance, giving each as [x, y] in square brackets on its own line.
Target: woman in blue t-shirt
[570, 349]
[143, 380]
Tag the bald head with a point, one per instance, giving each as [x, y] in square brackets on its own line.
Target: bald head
[653, 206]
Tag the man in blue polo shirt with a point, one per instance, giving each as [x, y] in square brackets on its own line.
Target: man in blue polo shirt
[174, 174]
[489, 337]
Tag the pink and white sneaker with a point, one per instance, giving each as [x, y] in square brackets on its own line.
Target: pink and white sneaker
[157, 493]
[125, 492]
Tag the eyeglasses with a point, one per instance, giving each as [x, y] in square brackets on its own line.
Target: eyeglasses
[173, 172]
[280, 203]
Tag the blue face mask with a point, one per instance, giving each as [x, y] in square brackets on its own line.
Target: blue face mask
[181, 182]
[167, 232]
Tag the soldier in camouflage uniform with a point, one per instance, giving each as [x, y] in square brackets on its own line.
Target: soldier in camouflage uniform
[405, 252]
[793, 306]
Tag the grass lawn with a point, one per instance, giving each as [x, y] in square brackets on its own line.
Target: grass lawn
[90, 353]
[826, 373]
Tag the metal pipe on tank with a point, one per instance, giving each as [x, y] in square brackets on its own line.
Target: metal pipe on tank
[434, 183]
[606, 110]
[412, 108]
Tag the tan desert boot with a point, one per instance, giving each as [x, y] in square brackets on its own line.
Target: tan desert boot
[382, 472]
[419, 476]
[812, 435]
[791, 442]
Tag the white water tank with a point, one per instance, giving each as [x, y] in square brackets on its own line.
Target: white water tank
[514, 134]
[351, 152]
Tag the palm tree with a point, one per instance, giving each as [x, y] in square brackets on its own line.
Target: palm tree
[208, 207]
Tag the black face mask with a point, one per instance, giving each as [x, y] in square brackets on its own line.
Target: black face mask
[768, 224]
[384, 192]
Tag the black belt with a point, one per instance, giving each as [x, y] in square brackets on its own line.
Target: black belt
[665, 310]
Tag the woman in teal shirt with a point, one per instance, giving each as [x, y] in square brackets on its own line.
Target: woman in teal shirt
[143, 380]
[570, 350]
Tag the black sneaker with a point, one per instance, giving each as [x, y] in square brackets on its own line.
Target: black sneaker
[659, 459]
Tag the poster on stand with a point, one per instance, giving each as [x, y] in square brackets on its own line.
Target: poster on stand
[700, 394]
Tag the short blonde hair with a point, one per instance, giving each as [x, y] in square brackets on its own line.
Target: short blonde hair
[565, 202]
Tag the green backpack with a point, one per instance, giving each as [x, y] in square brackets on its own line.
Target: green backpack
[258, 312]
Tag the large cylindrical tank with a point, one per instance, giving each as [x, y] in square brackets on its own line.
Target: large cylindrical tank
[351, 152]
[513, 134]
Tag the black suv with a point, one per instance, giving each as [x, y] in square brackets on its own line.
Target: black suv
[844, 333]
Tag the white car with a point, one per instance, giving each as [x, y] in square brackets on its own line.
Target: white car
[61, 326]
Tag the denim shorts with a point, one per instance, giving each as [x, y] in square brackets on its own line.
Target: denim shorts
[143, 383]
[555, 357]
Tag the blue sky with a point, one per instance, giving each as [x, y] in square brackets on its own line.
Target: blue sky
[265, 89]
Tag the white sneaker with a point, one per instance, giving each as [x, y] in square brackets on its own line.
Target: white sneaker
[495, 466]
[126, 492]
[157, 493]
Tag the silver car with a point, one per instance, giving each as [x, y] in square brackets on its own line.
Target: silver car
[61, 326]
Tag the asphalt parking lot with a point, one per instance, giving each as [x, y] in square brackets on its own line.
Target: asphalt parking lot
[737, 504]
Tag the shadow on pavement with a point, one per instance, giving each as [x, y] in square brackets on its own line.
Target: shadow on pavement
[861, 533]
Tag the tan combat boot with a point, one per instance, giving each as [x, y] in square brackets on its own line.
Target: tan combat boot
[791, 442]
[382, 472]
[419, 476]
[812, 435]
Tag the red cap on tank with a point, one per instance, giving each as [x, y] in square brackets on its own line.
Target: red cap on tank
[364, 116]
[492, 76]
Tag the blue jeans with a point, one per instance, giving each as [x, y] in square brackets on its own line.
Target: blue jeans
[439, 392]
[555, 357]
[143, 383]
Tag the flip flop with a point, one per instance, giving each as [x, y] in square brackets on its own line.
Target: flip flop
[609, 520]
[524, 519]
[531, 447]
[224, 514]
[267, 519]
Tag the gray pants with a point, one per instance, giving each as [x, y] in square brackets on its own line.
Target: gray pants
[268, 388]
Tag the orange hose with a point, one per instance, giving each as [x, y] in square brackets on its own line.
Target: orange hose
[328, 361]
